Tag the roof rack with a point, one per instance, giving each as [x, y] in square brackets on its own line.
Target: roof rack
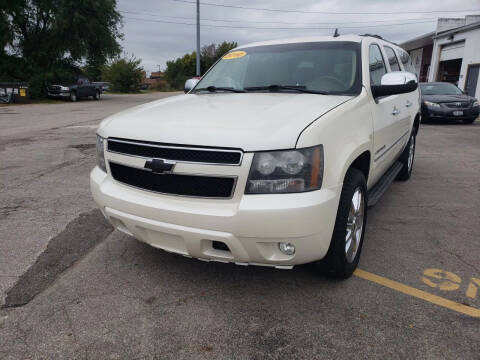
[373, 35]
[379, 37]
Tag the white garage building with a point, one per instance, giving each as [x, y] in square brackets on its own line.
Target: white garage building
[451, 53]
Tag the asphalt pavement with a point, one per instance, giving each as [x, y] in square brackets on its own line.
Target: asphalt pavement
[72, 288]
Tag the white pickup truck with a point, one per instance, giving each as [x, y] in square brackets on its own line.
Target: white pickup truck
[272, 158]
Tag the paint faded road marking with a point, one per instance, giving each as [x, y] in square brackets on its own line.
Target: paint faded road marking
[472, 288]
[444, 280]
[434, 299]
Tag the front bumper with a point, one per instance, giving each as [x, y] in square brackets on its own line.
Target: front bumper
[251, 226]
[447, 113]
[59, 95]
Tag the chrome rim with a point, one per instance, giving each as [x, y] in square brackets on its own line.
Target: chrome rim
[354, 225]
[411, 152]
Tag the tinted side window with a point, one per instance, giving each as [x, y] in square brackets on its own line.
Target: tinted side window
[376, 65]
[392, 59]
[407, 63]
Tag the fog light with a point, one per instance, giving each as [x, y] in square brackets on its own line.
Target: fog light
[286, 248]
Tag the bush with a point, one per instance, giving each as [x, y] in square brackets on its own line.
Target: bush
[125, 74]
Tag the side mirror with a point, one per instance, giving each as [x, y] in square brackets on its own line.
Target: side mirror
[190, 84]
[396, 82]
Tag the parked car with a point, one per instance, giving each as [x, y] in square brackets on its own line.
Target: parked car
[445, 101]
[81, 89]
[270, 159]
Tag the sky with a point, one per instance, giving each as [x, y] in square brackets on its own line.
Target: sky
[158, 30]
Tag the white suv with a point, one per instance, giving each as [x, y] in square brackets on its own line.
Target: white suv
[270, 159]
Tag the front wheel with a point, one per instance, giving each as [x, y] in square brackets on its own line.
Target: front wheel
[97, 95]
[407, 158]
[347, 238]
[73, 96]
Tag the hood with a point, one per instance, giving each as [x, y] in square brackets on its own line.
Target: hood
[255, 121]
[447, 98]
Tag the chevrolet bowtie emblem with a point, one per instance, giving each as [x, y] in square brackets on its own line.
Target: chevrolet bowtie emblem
[160, 166]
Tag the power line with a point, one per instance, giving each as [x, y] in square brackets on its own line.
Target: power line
[325, 12]
[278, 28]
[153, 14]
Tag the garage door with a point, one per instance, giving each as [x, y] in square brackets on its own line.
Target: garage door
[452, 51]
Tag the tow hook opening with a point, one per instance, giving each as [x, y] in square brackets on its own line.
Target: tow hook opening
[218, 245]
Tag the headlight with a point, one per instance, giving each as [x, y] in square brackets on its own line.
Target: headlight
[101, 153]
[432, 104]
[64, 88]
[286, 171]
[475, 103]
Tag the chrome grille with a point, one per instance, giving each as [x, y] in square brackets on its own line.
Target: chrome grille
[458, 104]
[175, 152]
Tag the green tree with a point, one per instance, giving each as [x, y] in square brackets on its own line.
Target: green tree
[181, 69]
[50, 40]
[214, 52]
[125, 74]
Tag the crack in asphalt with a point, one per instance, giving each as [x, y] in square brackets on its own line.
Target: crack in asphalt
[79, 236]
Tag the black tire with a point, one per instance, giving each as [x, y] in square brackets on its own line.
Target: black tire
[73, 96]
[469, 121]
[406, 171]
[335, 262]
[97, 95]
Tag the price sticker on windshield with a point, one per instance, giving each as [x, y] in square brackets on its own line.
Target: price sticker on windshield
[235, 55]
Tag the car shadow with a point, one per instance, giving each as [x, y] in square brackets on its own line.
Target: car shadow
[447, 122]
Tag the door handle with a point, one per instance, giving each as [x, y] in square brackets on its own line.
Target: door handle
[408, 104]
[395, 111]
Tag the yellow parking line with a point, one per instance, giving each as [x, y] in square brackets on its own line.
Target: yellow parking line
[437, 300]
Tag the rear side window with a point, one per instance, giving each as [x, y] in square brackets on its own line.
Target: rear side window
[392, 59]
[376, 65]
[407, 62]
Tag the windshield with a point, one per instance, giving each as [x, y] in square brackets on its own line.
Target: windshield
[324, 67]
[440, 89]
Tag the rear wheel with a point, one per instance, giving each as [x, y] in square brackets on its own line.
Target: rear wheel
[97, 95]
[347, 239]
[407, 158]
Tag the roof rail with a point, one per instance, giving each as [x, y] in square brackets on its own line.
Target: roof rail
[379, 37]
[373, 35]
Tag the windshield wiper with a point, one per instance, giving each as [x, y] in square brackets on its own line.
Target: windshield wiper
[274, 87]
[216, 88]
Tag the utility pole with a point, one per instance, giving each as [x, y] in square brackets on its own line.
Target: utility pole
[198, 37]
